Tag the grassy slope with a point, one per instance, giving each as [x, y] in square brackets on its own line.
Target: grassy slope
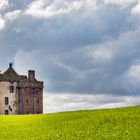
[107, 124]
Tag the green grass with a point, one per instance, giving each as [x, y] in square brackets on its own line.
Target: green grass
[105, 124]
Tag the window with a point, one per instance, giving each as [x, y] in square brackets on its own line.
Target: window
[11, 89]
[6, 112]
[6, 100]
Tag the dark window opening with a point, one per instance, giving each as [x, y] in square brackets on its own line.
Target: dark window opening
[27, 112]
[37, 112]
[6, 100]
[11, 89]
[6, 112]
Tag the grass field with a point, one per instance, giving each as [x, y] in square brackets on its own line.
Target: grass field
[105, 124]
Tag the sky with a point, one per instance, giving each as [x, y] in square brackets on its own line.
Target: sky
[87, 52]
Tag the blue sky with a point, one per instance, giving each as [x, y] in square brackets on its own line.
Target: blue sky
[85, 51]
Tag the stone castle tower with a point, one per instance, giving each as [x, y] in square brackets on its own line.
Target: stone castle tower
[20, 94]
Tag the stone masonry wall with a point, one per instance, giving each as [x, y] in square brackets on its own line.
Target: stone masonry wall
[30, 101]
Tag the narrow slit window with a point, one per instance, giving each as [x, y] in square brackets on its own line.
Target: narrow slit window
[6, 100]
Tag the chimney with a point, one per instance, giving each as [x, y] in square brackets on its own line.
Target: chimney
[31, 75]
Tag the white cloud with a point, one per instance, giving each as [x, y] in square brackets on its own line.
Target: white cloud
[120, 2]
[125, 3]
[2, 23]
[3, 4]
[11, 16]
[102, 53]
[136, 9]
[134, 73]
[54, 102]
[41, 9]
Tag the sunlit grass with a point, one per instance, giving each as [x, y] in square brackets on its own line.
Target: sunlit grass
[107, 124]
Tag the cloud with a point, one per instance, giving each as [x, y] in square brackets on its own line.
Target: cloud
[121, 2]
[89, 69]
[10, 16]
[89, 52]
[134, 72]
[68, 101]
[83, 48]
[2, 23]
[3, 4]
[46, 9]
[136, 9]
[101, 53]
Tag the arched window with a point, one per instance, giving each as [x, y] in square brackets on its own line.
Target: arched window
[11, 89]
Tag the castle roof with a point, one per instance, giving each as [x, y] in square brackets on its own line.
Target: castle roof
[11, 75]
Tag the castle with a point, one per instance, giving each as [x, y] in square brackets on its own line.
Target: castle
[20, 94]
